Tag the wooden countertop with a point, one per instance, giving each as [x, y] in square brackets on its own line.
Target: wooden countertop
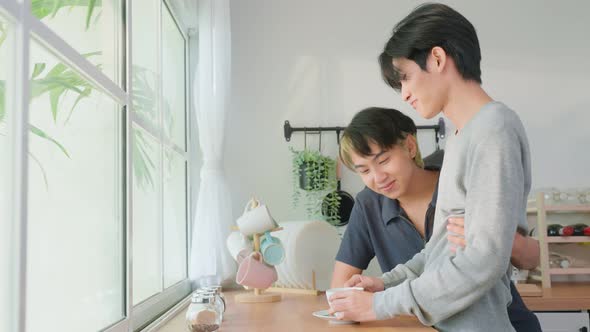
[294, 313]
[561, 297]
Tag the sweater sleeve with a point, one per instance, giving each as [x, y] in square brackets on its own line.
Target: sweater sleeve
[401, 272]
[494, 185]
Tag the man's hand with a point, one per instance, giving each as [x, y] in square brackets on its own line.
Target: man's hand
[456, 235]
[525, 250]
[353, 305]
[369, 284]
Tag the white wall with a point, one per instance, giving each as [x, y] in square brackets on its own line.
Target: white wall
[314, 63]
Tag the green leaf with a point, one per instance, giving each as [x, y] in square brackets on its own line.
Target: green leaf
[43, 135]
[56, 6]
[39, 67]
[91, 5]
[84, 94]
[3, 33]
[41, 168]
[57, 69]
[54, 95]
[42, 8]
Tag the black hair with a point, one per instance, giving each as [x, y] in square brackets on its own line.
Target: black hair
[384, 127]
[427, 26]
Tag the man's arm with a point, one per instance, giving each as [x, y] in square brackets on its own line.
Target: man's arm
[342, 272]
[408, 270]
[525, 252]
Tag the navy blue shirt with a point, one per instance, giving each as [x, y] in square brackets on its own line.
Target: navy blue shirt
[379, 227]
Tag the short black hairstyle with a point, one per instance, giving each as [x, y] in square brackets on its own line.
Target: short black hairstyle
[385, 127]
[427, 26]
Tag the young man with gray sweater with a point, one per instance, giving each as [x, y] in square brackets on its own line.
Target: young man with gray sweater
[433, 58]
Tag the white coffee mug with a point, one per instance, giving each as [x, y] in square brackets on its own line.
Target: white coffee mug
[255, 220]
[333, 291]
[238, 246]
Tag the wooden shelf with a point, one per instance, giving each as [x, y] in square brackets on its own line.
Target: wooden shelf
[568, 239]
[542, 210]
[561, 296]
[562, 208]
[571, 270]
[568, 208]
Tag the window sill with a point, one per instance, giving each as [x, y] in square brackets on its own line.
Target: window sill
[172, 320]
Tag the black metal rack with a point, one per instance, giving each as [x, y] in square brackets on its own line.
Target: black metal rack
[439, 130]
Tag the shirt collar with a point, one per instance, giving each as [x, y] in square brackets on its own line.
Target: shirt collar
[390, 209]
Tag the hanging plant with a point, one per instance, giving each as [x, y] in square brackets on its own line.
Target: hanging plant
[314, 176]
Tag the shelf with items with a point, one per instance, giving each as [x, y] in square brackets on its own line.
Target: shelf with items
[569, 208]
[541, 209]
[569, 270]
[568, 239]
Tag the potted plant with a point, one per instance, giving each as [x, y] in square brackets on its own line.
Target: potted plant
[314, 177]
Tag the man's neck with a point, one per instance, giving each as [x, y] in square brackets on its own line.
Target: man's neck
[422, 187]
[466, 98]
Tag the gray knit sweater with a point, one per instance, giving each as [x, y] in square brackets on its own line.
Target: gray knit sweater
[486, 177]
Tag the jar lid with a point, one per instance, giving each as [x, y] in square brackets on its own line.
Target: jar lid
[203, 298]
[213, 289]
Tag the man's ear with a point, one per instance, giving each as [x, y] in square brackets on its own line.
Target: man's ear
[437, 58]
[412, 145]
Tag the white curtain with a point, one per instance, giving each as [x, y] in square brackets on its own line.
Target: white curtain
[209, 259]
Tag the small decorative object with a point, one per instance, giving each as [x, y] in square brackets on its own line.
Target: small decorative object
[219, 304]
[560, 261]
[220, 297]
[567, 231]
[578, 229]
[314, 176]
[253, 272]
[554, 230]
[202, 314]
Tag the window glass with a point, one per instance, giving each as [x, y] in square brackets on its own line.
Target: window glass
[75, 263]
[175, 244]
[93, 28]
[147, 229]
[173, 80]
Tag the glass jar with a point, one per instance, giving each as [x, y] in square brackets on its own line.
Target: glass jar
[202, 314]
[219, 304]
[220, 297]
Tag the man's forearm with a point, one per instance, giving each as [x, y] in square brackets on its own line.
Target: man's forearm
[342, 272]
[525, 252]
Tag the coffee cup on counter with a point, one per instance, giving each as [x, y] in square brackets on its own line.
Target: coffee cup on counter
[333, 291]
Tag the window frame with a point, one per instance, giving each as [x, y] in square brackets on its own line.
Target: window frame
[24, 28]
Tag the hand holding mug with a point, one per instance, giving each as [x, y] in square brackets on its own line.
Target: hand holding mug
[369, 284]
